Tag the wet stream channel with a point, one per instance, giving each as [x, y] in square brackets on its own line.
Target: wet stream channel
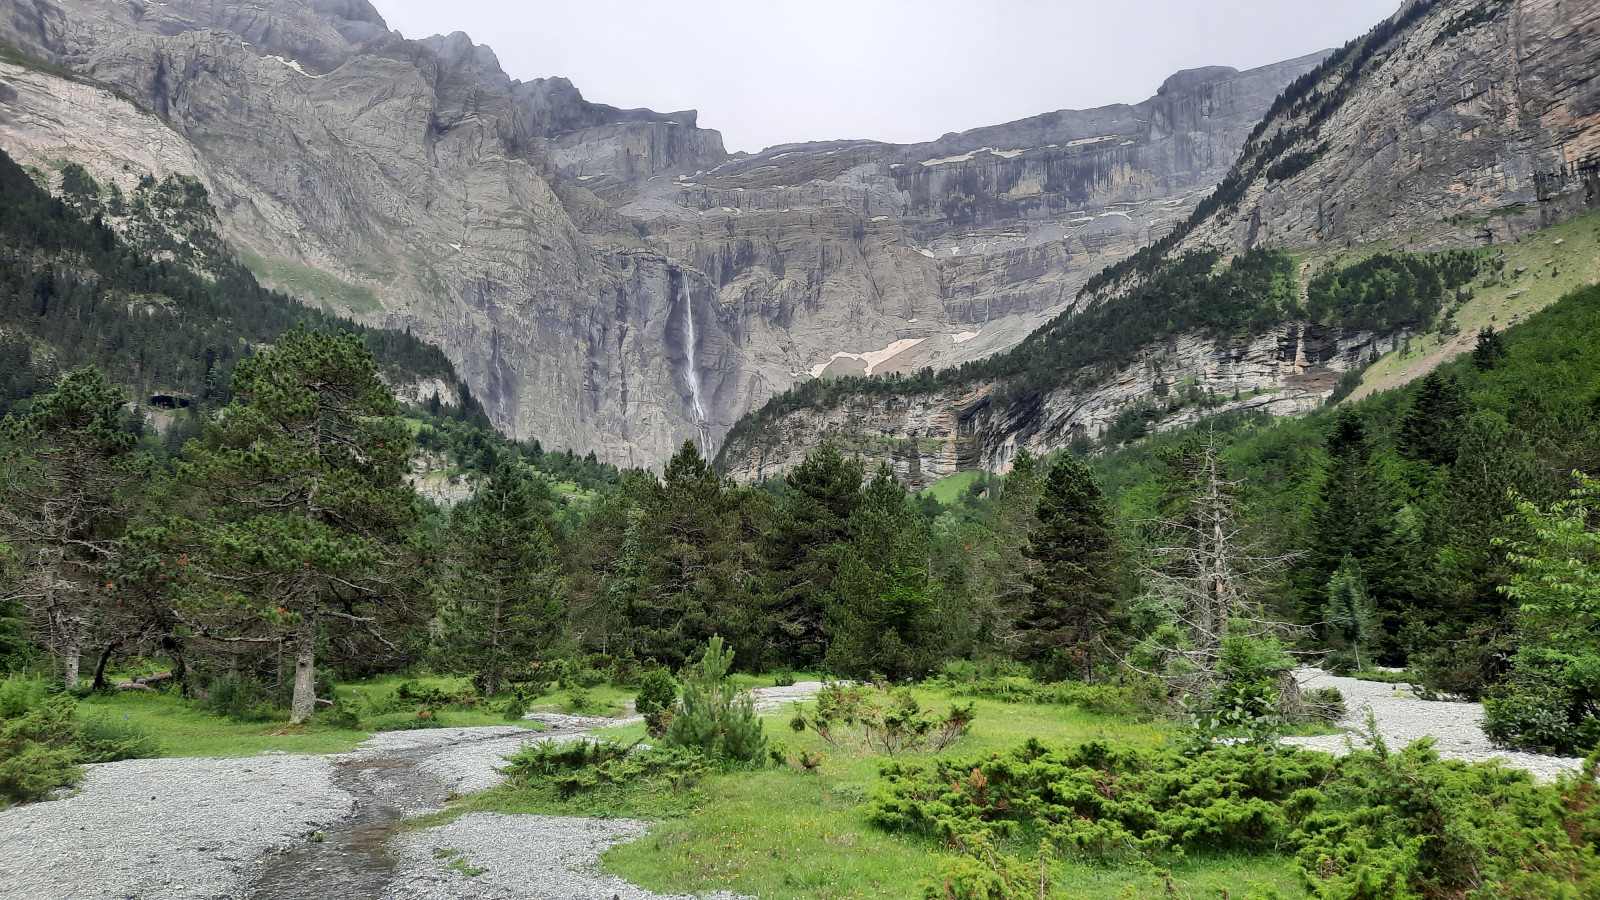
[352, 861]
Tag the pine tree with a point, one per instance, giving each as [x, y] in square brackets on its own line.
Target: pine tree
[878, 614]
[1430, 429]
[800, 552]
[1471, 514]
[1490, 349]
[715, 719]
[1348, 616]
[997, 563]
[309, 512]
[66, 485]
[1352, 516]
[1070, 607]
[503, 602]
[693, 563]
[1205, 578]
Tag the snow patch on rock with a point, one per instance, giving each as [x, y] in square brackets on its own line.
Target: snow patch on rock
[873, 358]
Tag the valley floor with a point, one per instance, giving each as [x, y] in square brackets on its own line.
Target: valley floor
[284, 826]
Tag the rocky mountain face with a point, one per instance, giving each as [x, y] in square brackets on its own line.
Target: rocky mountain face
[1476, 123]
[1456, 124]
[603, 278]
[931, 435]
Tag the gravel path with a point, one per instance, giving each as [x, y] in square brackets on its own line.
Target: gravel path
[464, 760]
[1403, 717]
[774, 698]
[200, 829]
[522, 858]
[176, 829]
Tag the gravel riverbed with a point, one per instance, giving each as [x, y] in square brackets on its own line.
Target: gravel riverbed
[1403, 717]
[515, 858]
[175, 829]
[217, 829]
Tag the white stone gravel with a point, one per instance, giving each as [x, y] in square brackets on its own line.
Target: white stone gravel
[1402, 717]
[198, 829]
[523, 858]
[773, 698]
[464, 760]
[166, 829]
[566, 721]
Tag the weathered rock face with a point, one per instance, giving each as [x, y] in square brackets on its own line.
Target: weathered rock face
[1477, 121]
[929, 436]
[604, 278]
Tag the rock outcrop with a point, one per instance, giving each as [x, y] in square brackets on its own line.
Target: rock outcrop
[932, 435]
[604, 278]
[1476, 123]
[1456, 124]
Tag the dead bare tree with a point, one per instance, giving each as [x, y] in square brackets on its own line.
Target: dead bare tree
[65, 480]
[1204, 575]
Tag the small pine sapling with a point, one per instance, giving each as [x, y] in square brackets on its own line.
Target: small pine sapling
[715, 720]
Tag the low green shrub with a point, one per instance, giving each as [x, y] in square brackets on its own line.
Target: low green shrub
[1243, 699]
[657, 701]
[244, 700]
[1004, 688]
[412, 694]
[578, 700]
[423, 719]
[39, 750]
[1137, 698]
[19, 694]
[957, 671]
[583, 766]
[43, 740]
[1383, 676]
[1550, 702]
[1410, 826]
[626, 672]
[556, 671]
[783, 678]
[1323, 704]
[880, 720]
[103, 739]
[514, 708]
[1370, 826]
[1129, 695]
[1341, 662]
[1461, 668]
[1103, 801]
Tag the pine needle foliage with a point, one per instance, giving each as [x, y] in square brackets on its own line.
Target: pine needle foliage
[715, 719]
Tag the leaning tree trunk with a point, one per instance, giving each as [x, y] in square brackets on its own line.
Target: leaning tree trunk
[100, 667]
[305, 667]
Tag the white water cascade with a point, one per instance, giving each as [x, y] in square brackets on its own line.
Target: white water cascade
[694, 369]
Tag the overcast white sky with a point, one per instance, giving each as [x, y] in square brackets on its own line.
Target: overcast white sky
[781, 71]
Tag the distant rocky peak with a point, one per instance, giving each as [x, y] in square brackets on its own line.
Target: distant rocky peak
[458, 49]
[347, 13]
[1188, 79]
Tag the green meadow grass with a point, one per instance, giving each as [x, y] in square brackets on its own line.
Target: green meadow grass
[776, 832]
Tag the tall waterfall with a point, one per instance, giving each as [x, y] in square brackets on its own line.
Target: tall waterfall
[690, 354]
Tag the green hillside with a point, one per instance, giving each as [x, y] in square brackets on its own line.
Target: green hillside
[74, 292]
